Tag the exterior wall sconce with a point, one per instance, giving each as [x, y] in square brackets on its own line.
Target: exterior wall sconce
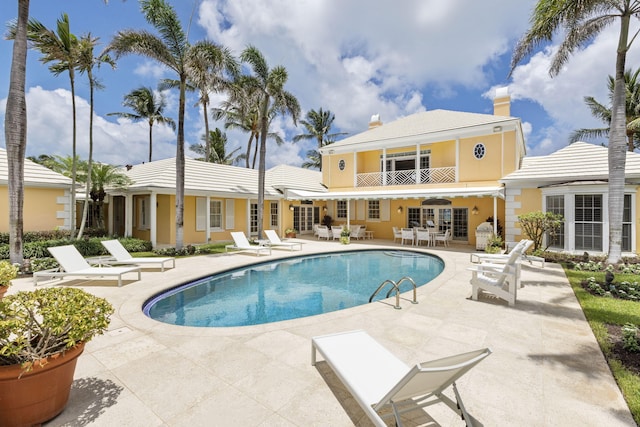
[399, 209]
[291, 208]
[324, 209]
[474, 211]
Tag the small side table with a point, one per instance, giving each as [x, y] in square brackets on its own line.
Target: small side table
[263, 242]
[368, 234]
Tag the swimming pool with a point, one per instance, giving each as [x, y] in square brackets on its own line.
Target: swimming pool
[290, 288]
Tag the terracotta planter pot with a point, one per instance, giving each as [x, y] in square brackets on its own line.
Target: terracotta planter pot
[39, 394]
[290, 235]
[3, 290]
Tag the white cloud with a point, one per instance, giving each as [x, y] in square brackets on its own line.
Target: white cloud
[49, 118]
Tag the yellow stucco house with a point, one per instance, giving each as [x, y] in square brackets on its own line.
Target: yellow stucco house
[219, 199]
[47, 196]
[441, 166]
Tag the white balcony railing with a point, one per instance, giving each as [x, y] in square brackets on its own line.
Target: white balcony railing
[407, 177]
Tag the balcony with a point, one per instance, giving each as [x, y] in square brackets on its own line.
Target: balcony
[407, 177]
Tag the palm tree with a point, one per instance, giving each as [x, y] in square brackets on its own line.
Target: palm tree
[314, 158]
[581, 21]
[603, 112]
[102, 176]
[318, 124]
[171, 48]
[206, 64]
[146, 105]
[61, 48]
[240, 111]
[86, 62]
[272, 99]
[15, 133]
[218, 152]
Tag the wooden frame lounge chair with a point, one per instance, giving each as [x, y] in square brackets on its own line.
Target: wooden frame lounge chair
[378, 380]
[275, 241]
[240, 243]
[73, 264]
[122, 256]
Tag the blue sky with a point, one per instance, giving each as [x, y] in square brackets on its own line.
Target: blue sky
[355, 58]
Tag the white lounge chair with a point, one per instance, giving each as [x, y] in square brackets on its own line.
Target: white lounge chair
[498, 258]
[240, 243]
[378, 380]
[275, 241]
[73, 264]
[122, 256]
[502, 280]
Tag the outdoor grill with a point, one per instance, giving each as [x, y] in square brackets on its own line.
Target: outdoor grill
[484, 232]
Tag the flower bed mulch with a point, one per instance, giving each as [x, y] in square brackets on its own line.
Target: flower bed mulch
[630, 360]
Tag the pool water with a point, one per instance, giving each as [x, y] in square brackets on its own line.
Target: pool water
[290, 288]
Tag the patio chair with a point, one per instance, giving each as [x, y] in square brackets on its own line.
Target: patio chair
[73, 264]
[336, 230]
[379, 381]
[502, 280]
[397, 234]
[442, 237]
[242, 244]
[522, 246]
[407, 234]
[275, 241]
[357, 232]
[122, 256]
[423, 235]
[323, 232]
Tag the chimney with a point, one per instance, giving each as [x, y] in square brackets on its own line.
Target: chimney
[502, 102]
[375, 121]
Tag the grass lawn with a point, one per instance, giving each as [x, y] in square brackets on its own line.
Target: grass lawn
[602, 311]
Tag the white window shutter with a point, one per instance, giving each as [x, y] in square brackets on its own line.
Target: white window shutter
[352, 209]
[385, 213]
[361, 208]
[229, 219]
[201, 213]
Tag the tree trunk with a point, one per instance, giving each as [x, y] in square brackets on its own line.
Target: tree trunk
[617, 149]
[207, 139]
[150, 138]
[180, 168]
[74, 162]
[15, 133]
[87, 185]
[262, 162]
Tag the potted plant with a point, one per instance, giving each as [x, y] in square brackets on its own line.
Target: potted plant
[345, 236]
[42, 333]
[494, 244]
[8, 272]
[290, 232]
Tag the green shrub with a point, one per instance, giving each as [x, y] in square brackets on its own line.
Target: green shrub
[630, 338]
[39, 264]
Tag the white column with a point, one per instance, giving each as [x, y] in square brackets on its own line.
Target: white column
[128, 215]
[384, 166]
[495, 215]
[153, 201]
[417, 165]
[458, 160]
[207, 219]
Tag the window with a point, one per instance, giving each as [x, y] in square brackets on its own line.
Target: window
[274, 214]
[626, 223]
[341, 209]
[413, 217]
[555, 204]
[373, 209]
[397, 162]
[479, 151]
[144, 213]
[588, 220]
[215, 214]
[254, 218]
